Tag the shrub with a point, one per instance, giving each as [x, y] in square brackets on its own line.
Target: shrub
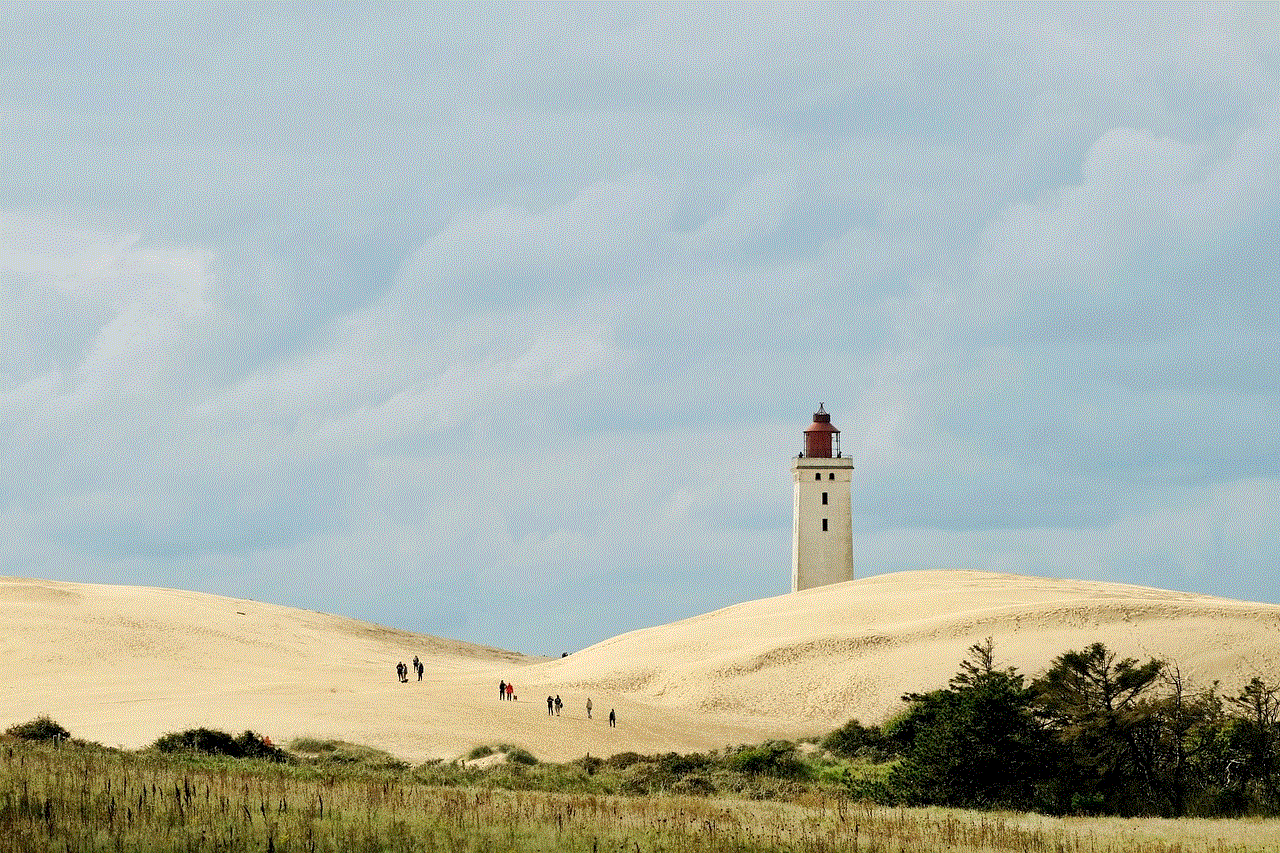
[253, 745]
[41, 728]
[679, 764]
[340, 753]
[772, 758]
[648, 774]
[315, 746]
[214, 742]
[516, 755]
[854, 740]
[208, 741]
[694, 785]
[623, 760]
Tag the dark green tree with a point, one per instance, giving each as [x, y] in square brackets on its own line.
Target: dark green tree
[1094, 704]
[1256, 737]
[975, 744]
[854, 740]
[1178, 739]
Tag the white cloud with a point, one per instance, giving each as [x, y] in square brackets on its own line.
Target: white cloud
[450, 306]
[91, 318]
[599, 225]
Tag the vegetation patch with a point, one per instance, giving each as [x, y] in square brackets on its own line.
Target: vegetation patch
[213, 742]
[42, 728]
[482, 751]
[341, 753]
[1094, 734]
[772, 758]
[92, 799]
[516, 755]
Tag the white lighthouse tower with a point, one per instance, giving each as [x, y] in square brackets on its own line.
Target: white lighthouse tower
[822, 527]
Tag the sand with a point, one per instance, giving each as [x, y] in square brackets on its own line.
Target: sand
[124, 665]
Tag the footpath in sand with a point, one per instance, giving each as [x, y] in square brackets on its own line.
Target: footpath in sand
[124, 665]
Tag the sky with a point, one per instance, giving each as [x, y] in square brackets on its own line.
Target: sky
[503, 322]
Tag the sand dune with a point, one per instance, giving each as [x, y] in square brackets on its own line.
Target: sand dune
[123, 665]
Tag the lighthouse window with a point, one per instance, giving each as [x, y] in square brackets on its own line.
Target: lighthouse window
[817, 476]
[824, 498]
[824, 524]
[831, 476]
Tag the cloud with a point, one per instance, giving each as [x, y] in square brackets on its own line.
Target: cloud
[419, 315]
[1213, 539]
[1139, 195]
[506, 255]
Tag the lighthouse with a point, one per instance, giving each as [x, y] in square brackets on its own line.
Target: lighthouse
[822, 523]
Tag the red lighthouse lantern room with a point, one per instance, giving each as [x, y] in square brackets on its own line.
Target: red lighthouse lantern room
[821, 439]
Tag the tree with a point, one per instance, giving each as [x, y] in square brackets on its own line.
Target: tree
[854, 740]
[975, 744]
[1094, 704]
[1178, 740]
[1257, 734]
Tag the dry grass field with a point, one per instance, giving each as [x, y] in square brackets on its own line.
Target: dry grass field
[90, 800]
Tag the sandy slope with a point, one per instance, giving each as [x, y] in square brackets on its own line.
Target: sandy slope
[122, 665]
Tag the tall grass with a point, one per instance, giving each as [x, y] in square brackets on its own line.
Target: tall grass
[87, 798]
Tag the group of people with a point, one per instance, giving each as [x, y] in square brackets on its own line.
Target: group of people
[554, 703]
[506, 691]
[402, 671]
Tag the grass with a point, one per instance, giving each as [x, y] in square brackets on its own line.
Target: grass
[340, 753]
[85, 797]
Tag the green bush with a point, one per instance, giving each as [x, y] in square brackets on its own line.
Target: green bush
[41, 728]
[694, 785]
[681, 764]
[341, 753]
[516, 755]
[649, 774]
[623, 760]
[976, 744]
[214, 742]
[772, 758]
[315, 746]
[866, 783]
[854, 740]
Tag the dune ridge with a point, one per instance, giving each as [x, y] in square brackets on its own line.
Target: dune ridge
[123, 665]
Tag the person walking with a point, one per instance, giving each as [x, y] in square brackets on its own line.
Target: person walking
[613, 720]
[502, 690]
[417, 664]
[588, 707]
[550, 706]
[511, 692]
[559, 704]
